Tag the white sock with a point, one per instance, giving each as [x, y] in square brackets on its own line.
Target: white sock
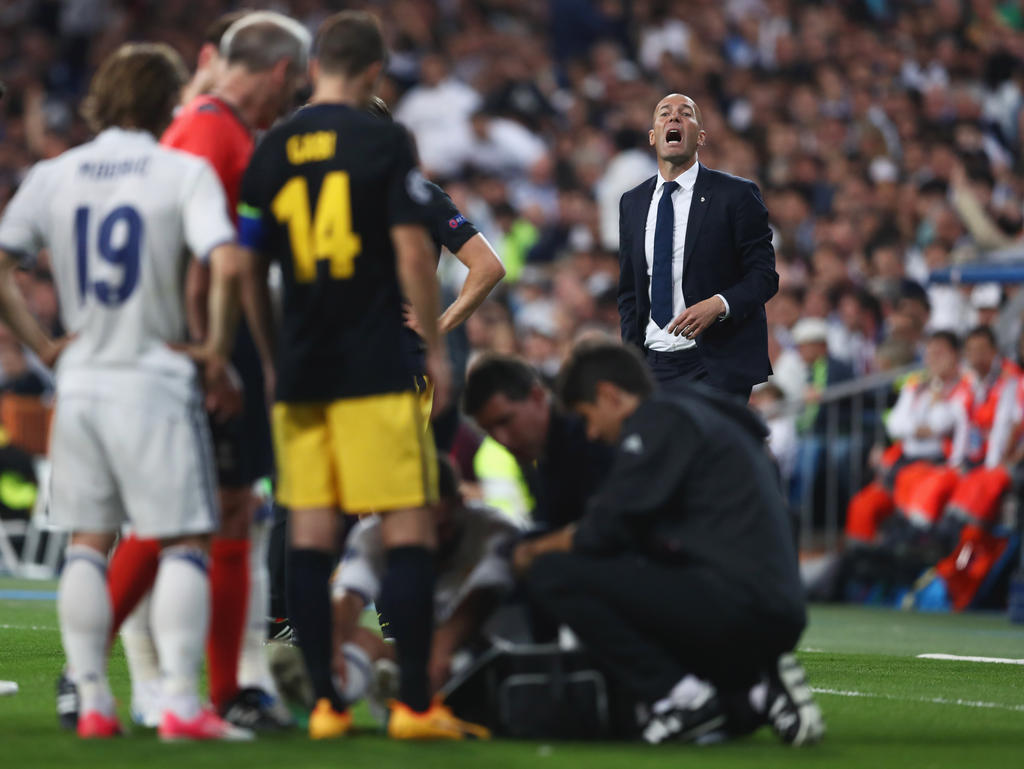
[691, 692]
[141, 654]
[83, 606]
[758, 697]
[181, 618]
[253, 667]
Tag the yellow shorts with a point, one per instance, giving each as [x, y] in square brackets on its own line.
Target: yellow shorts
[361, 455]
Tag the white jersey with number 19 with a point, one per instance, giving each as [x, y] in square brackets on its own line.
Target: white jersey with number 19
[119, 216]
[129, 440]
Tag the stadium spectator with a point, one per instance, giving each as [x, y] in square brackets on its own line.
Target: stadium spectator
[816, 440]
[928, 426]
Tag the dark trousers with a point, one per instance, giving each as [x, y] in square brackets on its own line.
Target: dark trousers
[686, 367]
[652, 623]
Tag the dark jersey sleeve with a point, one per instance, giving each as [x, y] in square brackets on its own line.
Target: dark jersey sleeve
[448, 227]
[408, 190]
[252, 205]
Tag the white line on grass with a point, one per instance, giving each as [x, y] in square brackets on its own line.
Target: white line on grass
[959, 658]
[27, 627]
[929, 700]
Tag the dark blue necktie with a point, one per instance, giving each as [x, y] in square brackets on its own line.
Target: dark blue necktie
[661, 270]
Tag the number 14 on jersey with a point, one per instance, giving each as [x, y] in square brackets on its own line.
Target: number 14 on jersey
[326, 235]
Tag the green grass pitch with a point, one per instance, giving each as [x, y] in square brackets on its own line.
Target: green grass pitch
[884, 707]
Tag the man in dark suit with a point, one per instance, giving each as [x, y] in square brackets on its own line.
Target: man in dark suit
[696, 263]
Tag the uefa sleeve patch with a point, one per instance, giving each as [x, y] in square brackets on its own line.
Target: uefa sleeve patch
[455, 221]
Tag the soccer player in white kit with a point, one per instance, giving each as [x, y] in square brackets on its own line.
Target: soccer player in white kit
[130, 441]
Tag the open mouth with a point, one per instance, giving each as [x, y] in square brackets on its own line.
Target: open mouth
[673, 136]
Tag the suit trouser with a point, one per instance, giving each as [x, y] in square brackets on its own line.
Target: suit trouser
[685, 367]
[651, 623]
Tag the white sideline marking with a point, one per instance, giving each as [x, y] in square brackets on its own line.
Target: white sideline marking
[27, 627]
[958, 658]
[929, 700]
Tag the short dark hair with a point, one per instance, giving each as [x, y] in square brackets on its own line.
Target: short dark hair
[137, 86]
[946, 336]
[495, 374]
[349, 42]
[600, 361]
[986, 332]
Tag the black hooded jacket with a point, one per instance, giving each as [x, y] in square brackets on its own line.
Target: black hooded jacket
[692, 483]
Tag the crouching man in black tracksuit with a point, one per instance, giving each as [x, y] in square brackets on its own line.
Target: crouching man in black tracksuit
[682, 575]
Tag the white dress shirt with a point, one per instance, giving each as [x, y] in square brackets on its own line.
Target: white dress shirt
[658, 338]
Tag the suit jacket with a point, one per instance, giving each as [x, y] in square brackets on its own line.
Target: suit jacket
[728, 251]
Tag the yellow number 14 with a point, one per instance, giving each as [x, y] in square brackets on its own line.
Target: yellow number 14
[330, 237]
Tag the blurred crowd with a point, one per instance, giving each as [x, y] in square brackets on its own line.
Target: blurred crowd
[885, 135]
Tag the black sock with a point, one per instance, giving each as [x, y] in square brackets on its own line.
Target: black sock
[408, 593]
[309, 609]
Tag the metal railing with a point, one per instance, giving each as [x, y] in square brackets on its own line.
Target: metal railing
[866, 400]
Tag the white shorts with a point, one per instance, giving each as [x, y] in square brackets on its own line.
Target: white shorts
[117, 461]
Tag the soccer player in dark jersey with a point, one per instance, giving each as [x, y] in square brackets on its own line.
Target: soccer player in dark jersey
[449, 229]
[264, 61]
[334, 195]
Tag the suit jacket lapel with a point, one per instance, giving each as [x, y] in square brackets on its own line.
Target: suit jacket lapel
[698, 207]
[643, 206]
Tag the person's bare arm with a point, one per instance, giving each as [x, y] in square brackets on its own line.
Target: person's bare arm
[468, 617]
[223, 302]
[223, 392]
[556, 542]
[259, 314]
[485, 272]
[197, 299]
[15, 313]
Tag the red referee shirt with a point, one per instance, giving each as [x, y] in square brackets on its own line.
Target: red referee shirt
[210, 127]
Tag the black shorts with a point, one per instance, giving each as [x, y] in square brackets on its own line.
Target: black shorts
[242, 446]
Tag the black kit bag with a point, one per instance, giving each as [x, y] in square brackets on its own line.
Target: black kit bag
[541, 692]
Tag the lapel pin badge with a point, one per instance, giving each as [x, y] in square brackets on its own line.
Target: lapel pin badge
[701, 198]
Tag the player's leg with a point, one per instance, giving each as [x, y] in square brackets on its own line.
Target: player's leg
[83, 606]
[84, 499]
[164, 469]
[143, 663]
[306, 485]
[256, 684]
[130, 575]
[229, 565]
[244, 455]
[311, 560]
[392, 467]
